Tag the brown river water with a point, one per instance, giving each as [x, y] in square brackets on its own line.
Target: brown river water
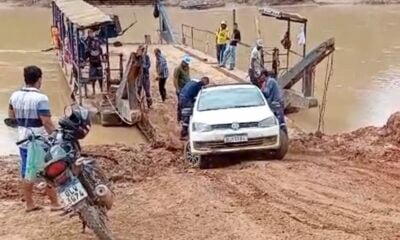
[363, 90]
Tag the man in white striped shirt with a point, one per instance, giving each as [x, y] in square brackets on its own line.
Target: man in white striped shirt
[30, 108]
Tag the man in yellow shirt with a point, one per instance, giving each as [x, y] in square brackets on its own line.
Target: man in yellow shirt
[222, 39]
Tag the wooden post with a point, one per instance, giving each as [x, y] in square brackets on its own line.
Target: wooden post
[121, 66]
[308, 85]
[275, 61]
[183, 35]
[233, 17]
[258, 30]
[53, 10]
[108, 66]
[75, 62]
[192, 33]
[288, 50]
[305, 37]
[61, 25]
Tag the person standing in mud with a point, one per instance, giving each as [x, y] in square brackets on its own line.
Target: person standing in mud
[181, 77]
[94, 55]
[162, 73]
[31, 110]
[187, 97]
[230, 52]
[144, 77]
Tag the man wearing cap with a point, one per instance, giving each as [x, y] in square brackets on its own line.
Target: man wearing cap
[230, 52]
[256, 62]
[222, 39]
[181, 77]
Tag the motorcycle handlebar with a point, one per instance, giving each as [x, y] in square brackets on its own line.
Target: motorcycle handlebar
[36, 137]
[30, 138]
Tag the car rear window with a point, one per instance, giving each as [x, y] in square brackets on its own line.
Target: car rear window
[229, 98]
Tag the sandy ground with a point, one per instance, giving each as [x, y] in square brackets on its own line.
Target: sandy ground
[328, 187]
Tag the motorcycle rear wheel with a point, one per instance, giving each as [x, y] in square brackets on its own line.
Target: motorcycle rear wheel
[96, 222]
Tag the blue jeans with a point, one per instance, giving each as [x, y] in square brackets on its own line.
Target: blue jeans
[145, 85]
[220, 52]
[23, 153]
[230, 53]
[186, 113]
[279, 112]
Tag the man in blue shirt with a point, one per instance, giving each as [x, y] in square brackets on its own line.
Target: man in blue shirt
[273, 93]
[187, 97]
[162, 73]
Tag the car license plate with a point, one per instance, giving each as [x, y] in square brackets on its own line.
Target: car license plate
[236, 138]
[73, 193]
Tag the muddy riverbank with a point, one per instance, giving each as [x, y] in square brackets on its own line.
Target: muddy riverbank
[319, 191]
[342, 186]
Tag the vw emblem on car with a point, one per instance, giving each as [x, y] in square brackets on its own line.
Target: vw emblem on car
[235, 126]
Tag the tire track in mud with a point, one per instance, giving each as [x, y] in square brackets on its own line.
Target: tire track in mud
[187, 207]
[332, 207]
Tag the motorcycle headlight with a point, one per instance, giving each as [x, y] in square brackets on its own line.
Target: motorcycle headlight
[201, 127]
[268, 122]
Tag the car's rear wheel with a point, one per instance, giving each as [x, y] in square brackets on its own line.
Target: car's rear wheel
[195, 160]
[283, 146]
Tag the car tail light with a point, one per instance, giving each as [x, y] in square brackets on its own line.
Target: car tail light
[55, 169]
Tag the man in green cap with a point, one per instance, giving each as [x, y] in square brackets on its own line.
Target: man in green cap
[181, 77]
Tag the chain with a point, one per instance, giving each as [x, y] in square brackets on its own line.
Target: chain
[322, 107]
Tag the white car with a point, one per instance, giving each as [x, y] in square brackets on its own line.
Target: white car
[233, 118]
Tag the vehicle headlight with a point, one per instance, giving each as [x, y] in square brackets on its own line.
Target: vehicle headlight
[268, 122]
[201, 127]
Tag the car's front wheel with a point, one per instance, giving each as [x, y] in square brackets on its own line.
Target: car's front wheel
[195, 160]
[283, 146]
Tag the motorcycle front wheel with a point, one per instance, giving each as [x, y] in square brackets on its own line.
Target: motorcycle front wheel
[96, 221]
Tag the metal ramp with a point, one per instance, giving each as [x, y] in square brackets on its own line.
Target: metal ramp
[166, 30]
[121, 105]
[305, 70]
[313, 58]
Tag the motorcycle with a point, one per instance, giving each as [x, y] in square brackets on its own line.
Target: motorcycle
[80, 182]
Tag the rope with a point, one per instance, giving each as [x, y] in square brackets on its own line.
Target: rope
[322, 108]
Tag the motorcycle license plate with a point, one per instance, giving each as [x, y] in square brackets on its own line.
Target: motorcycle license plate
[73, 193]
